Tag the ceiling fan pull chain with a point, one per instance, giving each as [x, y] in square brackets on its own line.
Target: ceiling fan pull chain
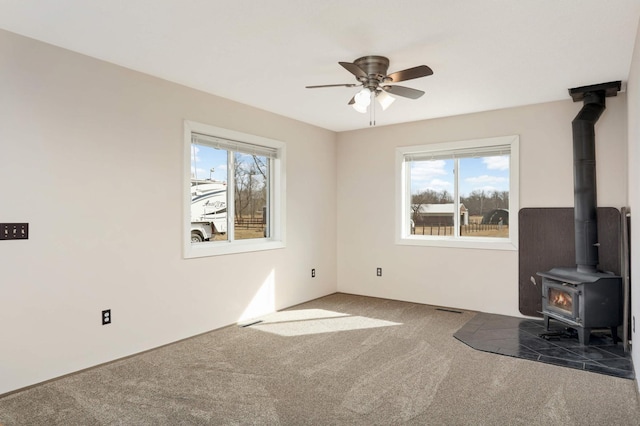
[372, 111]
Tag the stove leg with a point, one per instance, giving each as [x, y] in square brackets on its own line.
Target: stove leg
[546, 322]
[583, 335]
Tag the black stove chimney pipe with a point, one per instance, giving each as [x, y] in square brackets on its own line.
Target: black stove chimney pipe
[584, 171]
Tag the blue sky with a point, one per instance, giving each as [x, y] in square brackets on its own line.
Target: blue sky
[484, 173]
[207, 158]
[211, 163]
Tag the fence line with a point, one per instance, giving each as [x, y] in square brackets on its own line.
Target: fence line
[248, 222]
[464, 229]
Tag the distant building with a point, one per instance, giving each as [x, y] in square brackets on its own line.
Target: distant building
[438, 214]
[493, 217]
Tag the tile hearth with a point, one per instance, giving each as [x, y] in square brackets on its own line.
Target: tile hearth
[520, 338]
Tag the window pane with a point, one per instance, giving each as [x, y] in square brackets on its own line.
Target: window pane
[484, 192]
[208, 194]
[251, 178]
[454, 192]
[236, 202]
[432, 186]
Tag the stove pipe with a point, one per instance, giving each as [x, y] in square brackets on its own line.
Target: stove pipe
[584, 171]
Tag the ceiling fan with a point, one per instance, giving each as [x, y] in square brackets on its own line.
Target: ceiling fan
[371, 73]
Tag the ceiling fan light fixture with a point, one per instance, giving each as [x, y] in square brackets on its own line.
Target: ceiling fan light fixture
[385, 100]
[359, 108]
[363, 98]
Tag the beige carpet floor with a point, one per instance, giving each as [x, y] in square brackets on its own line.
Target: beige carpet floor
[338, 360]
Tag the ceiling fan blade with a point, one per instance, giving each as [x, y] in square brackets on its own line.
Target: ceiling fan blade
[332, 85]
[406, 92]
[354, 69]
[410, 73]
[352, 101]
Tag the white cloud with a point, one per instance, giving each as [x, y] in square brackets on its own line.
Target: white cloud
[428, 175]
[486, 188]
[497, 163]
[425, 170]
[199, 173]
[486, 180]
[195, 150]
[439, 184]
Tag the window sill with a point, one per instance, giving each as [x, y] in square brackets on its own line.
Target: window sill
[460, 242]
[205, 249]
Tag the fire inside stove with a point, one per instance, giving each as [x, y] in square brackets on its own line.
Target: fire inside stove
[561, 300]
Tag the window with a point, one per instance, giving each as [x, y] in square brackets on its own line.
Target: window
[459, 194]
[234, 187]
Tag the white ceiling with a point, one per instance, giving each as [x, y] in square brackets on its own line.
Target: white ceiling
[485, 55]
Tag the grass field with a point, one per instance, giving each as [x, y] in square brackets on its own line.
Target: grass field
[448, 230]
[474, 229]
[241, 233]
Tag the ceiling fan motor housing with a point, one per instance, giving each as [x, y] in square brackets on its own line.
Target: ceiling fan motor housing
[376, 69]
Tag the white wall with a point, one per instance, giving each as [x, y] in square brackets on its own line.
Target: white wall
[633, 95]
[91, 157]
[484, 280]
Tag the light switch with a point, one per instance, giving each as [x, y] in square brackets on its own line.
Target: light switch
[14, 231]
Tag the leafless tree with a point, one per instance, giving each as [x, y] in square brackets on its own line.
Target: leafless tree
[250, 174]
[481, 201]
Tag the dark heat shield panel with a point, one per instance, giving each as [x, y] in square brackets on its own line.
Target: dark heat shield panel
[547, 240]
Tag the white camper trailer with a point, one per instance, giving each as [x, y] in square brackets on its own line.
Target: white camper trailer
[208, 209]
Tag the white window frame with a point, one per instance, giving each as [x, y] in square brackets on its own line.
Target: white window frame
[277, 198]
[403, 196]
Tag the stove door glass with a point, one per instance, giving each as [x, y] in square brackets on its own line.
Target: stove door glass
[561, 300]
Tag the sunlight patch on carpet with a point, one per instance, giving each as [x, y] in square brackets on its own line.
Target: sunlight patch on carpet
[315, 321]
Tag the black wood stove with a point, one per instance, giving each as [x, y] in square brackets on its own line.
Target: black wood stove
[583, 301]
[584, 297]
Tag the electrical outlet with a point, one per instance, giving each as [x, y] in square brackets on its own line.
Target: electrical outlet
[379, 272]
[14, 231]
[106, 317]
[313, 273]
